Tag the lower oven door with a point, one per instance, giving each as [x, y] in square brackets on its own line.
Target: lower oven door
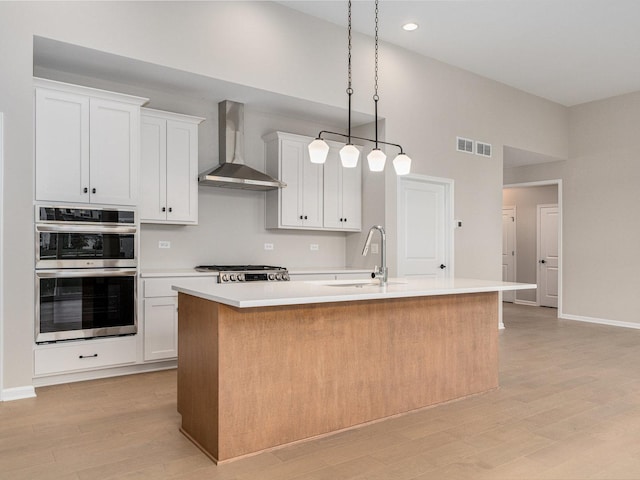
[86, 303]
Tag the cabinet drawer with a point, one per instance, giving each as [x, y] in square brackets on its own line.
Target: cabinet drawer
[84, 355]
[161, 287]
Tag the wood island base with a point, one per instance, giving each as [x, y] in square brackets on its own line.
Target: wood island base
[251, 379]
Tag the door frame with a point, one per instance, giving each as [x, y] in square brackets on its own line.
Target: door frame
[542, 183]
[538, 253]
[515, 243]
[448, 184]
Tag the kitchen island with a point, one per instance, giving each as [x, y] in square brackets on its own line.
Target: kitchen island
[265, 364]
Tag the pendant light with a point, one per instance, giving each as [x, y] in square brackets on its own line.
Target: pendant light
[376, 158]
[349, 154]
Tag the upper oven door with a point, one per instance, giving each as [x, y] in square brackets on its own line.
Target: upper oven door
[85, 246]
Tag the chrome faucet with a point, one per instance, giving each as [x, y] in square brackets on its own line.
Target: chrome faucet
[380, 272]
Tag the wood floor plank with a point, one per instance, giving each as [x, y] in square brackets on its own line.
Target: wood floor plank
[568, 408]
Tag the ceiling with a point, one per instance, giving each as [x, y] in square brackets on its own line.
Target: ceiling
[568, 51]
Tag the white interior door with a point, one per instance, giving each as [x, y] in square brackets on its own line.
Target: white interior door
[424, 226]
[509, 250]
[548, 258]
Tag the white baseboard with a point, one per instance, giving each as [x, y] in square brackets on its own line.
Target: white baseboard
[601, 321]
[103, 373]
[17, 393]
[525, 302]
[501, 326]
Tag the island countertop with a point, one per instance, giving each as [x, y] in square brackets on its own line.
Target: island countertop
[265, 294]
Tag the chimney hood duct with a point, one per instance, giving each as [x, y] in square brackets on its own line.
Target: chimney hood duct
[232, 173]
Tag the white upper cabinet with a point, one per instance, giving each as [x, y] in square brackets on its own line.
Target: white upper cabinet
[62, 146]
[169, 165]
[86, 144]
[114, 152]
[342, 194]
[317, 197]
[299, 204]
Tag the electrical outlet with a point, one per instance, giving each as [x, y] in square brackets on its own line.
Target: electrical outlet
[374, 248]
[164, 244]
[268, 246]
[314, 247]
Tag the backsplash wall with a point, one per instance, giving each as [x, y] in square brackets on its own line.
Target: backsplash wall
[231, 223]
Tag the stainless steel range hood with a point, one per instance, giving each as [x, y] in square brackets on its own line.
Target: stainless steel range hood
[232, 173]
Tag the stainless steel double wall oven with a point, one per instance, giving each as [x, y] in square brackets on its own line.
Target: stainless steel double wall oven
[85, 273]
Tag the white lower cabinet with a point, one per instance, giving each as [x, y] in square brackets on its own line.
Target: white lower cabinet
[160, 328]
[161, 314]
[84, 355]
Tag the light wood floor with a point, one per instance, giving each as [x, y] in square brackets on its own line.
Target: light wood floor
[568, 408]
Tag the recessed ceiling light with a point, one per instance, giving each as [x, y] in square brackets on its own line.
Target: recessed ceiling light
[409, 27]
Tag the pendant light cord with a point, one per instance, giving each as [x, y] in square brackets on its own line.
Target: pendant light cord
[349, 89]
[375, 94]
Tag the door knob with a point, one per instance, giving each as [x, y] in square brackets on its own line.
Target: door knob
[543, 261]
[442, 266]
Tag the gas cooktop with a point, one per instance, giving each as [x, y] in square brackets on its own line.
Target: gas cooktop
[246, 273]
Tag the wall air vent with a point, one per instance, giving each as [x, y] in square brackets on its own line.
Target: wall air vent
[483, 149]
[464, 145]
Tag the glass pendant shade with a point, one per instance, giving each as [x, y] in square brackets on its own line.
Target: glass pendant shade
[402, 164]
[349, 156]
[318, 151]
[376, 159]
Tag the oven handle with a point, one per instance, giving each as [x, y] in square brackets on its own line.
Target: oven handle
[87, 272]
[84, 228]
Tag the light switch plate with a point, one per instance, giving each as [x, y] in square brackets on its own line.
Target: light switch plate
[375, 248]
[164, 244]
[314, 247]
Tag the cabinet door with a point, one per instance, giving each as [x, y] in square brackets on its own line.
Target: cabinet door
[62, 146]
[182, 172]
[342, 194]
[312, 191]
[291, 164]
[153, 166]
[333, 190]
[160, 328]
[114, 152]
[352, 197]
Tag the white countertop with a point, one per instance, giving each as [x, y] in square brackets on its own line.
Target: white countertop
[327, 270]
[174, 272]
[191, 272]
[265, 294]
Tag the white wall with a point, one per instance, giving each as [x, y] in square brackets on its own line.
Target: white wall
[267, 46]
[1, 260]
[526, 200]
[601, 227]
